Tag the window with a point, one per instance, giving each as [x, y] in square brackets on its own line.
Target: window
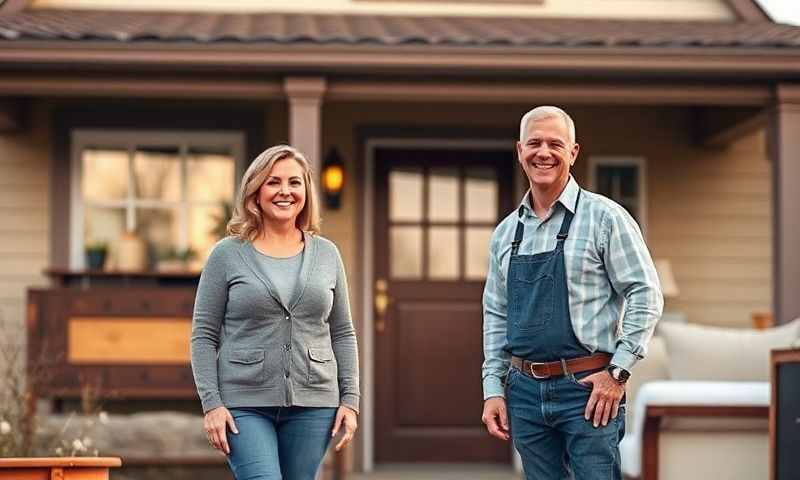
[441, 220]
[172, 189]
[621, 179]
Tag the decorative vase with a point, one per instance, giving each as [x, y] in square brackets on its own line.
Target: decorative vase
[95, 259]
[131, 252]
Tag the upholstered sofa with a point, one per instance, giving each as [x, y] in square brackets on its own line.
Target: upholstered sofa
[697, 405]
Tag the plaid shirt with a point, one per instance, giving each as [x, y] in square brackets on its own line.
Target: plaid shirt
[609, 270]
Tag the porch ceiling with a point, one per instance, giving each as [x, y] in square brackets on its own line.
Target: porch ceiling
[377, 43]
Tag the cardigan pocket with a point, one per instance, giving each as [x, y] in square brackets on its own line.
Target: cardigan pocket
[321, 367]
[244, 368]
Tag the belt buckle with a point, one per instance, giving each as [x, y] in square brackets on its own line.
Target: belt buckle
[533, 372]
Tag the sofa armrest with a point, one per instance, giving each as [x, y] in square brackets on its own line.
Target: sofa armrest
[662, 399]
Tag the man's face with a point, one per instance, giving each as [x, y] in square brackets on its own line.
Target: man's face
[546, 154]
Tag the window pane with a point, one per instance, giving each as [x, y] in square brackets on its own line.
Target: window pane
[443, 195]
[405, 194]
[157, 173]
[206, 227]
[618, 182]
[481, 195]
[621, 184]
[160, 229]
[443, 253]
[477, 244]
[405, 251]
[105, 174]
[210, 175]
[103, 225]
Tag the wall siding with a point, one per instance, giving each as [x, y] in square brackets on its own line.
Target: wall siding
[24, 213]
[644, 9]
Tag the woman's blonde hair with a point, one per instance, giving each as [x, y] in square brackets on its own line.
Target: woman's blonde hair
[247, 221]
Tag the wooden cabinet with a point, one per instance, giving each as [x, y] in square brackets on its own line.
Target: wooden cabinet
[122, 342]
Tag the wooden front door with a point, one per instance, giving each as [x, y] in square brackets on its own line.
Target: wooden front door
[435, 212]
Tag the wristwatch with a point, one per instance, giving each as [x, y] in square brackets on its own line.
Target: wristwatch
[618, 373]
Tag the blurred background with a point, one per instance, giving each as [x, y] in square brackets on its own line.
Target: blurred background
[125, 129]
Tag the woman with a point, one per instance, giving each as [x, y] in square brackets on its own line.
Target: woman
[274, 352]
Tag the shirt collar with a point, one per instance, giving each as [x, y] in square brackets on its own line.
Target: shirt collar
[568, 198]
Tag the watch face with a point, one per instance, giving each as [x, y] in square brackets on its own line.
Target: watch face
[619, 374]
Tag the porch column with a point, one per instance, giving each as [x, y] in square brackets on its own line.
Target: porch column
[784, 150]
[305, 104]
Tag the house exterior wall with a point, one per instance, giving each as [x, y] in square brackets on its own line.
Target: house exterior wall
[24, 212]
[713, 219]
[643, 9]
[709, 210]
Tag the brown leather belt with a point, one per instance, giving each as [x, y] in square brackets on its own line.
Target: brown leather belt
[546, 370]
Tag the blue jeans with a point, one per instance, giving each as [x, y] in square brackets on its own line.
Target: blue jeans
[551, 435]
[279, 442]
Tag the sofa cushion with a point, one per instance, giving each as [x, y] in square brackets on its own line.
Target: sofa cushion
[700, 352]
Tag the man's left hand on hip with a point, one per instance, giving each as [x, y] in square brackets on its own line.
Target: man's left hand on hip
[604, 401]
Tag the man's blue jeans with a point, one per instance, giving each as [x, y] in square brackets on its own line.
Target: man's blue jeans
[550, 432]
[279, 442]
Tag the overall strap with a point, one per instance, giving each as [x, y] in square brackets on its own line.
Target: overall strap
[565, 224]
[517, 238]
[519, 233]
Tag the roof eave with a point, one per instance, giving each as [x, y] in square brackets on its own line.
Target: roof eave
[697, 61]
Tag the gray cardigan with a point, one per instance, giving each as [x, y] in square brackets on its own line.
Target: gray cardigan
[250, 349]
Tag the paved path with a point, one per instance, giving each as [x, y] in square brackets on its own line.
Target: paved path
[438, 472]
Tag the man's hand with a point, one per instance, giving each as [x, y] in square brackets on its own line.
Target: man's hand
[215, 423]
[495, 417]
[603, 403]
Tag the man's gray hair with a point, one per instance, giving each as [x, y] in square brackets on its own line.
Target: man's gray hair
[546, 111]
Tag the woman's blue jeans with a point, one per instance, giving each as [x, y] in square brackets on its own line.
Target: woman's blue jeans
[279, 442]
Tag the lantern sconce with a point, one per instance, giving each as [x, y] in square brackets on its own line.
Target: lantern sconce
[333, 179]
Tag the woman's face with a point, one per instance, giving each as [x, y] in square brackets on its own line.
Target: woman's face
[282, 196]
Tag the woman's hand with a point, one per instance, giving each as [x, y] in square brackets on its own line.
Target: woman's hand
[215, 423]
[345, 416]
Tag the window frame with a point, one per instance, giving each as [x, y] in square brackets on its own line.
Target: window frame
[127, 139]
[640, 163]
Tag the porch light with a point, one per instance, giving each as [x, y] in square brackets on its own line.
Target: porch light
[333, 179]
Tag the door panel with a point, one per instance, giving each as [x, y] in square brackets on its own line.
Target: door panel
[435, 212]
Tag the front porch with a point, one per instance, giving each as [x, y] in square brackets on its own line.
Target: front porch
[438, 472]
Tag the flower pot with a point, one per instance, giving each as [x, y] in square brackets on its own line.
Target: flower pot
[95, 259]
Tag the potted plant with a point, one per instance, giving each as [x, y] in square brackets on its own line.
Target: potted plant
[96, 253]
[172, 259]
[27, 449]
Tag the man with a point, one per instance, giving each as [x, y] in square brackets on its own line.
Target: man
[571, 300]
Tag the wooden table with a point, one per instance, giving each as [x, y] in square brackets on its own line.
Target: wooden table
[57, 468]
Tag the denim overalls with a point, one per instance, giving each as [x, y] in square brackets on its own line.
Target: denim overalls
[547, 416]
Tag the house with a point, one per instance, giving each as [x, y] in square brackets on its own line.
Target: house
[142, 116]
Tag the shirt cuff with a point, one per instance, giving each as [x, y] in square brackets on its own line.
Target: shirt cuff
[493, 387]
[350, 400]
[211, 401]
[624, 359]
